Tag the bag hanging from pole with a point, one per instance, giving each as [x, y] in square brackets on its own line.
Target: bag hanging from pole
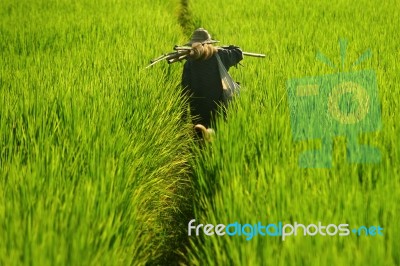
[229, 87]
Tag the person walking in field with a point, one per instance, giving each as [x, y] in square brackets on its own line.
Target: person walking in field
[201, 80]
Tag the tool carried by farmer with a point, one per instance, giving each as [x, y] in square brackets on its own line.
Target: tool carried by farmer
[183, 52]
[205, 78]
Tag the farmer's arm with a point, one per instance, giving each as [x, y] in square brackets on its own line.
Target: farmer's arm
[230, 57]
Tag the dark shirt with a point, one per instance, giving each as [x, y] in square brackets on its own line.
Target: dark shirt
[202, 82]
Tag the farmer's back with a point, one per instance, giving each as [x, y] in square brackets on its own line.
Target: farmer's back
[202, 82]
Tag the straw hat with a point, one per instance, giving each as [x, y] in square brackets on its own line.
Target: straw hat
[201, 35]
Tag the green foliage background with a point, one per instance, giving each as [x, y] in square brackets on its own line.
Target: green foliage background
[96, 168]
[251, 172]
[93, 158]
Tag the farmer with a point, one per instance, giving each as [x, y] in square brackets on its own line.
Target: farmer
[201, 80]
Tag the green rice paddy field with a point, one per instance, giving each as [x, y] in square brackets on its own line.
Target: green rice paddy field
[97, 168]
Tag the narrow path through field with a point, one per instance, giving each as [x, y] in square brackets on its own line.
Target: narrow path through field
[185, 18]
[178, 256]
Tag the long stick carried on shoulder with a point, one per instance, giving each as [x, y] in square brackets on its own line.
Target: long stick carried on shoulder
[182, 52]
[160, 58]
[244, 53]
[188, 48]
[253, 54]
